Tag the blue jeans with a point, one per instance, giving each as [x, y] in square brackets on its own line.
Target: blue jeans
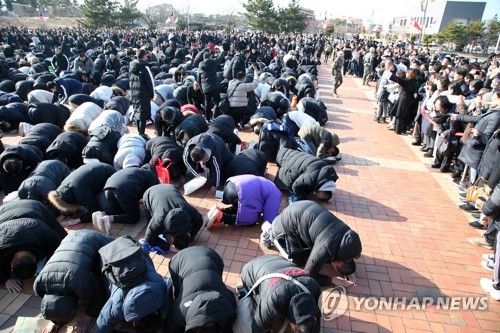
[307, 147]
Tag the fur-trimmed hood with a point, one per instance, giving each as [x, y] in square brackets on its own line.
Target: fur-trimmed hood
[64, 207]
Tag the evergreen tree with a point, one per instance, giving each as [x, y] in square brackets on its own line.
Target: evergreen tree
[474, 30]
[129, 14]
[491, 35]
[98, 13]
[454, 32]
[262, 15]
[291, 18]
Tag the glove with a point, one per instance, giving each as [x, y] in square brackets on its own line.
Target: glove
[154, 249]
[14, 285]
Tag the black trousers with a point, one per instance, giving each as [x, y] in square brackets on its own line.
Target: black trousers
[241, 114]
[212, 98]
[124, 208]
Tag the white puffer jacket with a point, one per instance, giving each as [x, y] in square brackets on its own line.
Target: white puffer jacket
[40, 96]
[111, 118]
[83, 116]
[129, 144]
[103, 93]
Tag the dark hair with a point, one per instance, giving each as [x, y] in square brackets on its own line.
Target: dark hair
[445, 103]
[461, 71]
[51, 84]
[445, 82]
[167, 114]
[437, 67]
[455, 89]
[433, 87]
[150, 323]
[140, 53]
[348, 268]
[477, 84]
[182, 240]
[240, 75]
[5, 125]
[197, 154]
[469, 76]
[24, 267]
[13, 165]
[310, 325]
[207, 55]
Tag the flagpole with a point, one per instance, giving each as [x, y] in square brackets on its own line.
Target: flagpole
[422, 31]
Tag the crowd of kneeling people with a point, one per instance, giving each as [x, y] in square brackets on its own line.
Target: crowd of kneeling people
[78, 163]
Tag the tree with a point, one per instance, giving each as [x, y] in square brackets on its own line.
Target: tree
[151, 17]
[492, 31]
[129, 14]
[474, 30]
[454, 32]
[261, 15]
[98, 13]
[291, 18]
[330, 27]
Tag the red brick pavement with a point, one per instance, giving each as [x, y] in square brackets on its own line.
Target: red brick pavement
[414, 236]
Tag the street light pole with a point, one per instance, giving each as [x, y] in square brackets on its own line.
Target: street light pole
[422, 31]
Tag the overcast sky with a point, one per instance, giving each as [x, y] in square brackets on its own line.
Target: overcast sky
[382, 10]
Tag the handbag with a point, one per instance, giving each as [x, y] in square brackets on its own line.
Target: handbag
[475, 191]
[444, 148]
[162, 170]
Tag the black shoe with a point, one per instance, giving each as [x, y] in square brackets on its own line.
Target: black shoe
[416, 143]
[477, 225]
[424, 149]
[463, 195]
[428, 154]
[467, 207]
[435, 166]
[456, 174]
[475, 215]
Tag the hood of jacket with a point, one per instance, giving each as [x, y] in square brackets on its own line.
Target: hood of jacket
[143, 300]
[208, 307]
[350, 246]
[137, 66]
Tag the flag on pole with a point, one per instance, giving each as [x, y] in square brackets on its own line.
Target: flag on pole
[415, 24]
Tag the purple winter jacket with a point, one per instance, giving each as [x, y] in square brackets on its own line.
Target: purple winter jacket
[256, 195]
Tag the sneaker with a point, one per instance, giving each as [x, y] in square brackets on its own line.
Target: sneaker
[106, 225]
[488, 265]
[265, 236]
[467, 207]
[488, 257]
[24, 128]
[487, 286]
[213, 218]
[477, 225]
[96, 221]
[480, 241]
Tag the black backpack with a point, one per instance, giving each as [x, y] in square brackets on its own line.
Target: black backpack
[123, 262]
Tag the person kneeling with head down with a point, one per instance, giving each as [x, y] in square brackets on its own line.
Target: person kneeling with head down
[138, 294]
[171, 216]
[70, 276]
[202, 304]
[23, 243]
[303, 174]
[282, 296]
[249, 197]
[311, 236]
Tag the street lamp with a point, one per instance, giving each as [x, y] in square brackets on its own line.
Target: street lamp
[424, 9]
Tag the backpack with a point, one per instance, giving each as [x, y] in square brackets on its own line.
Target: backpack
[224, 104]
[102, 145]
[123, 262]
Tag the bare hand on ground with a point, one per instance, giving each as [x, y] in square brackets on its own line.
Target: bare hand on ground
[14, 285]
[340, 282]
[81, 326]
[212, 190]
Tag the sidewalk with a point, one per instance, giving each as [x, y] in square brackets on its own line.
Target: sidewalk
[413, 234]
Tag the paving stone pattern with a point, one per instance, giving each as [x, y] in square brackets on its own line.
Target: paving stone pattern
[413, 234]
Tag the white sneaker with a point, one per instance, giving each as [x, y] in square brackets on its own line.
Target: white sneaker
[488, 265]
[24, 128]
[487, 286]
[265, 236]
[96, 221]
[265, 226]
[488, 257]
[105, 224]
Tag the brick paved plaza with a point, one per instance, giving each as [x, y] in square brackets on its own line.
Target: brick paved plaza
[413, 234]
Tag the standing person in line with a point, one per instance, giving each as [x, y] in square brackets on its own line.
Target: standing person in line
[141, 90]
[337, 66]
[210, 85]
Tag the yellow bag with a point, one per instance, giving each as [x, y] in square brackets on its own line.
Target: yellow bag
[475, 191]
